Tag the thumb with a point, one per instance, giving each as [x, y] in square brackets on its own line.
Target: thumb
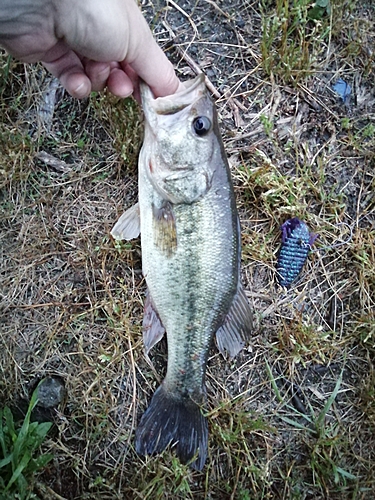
[153, 67]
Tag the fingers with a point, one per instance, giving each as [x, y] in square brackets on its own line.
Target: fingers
[75, 34]
[119, 80]
[65, 65]
[121, 83]
[97, 72]
[79, 75]
[161, 86]
[77, 84]
[115, 30]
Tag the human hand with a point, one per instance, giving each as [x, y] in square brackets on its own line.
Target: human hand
[88, 45]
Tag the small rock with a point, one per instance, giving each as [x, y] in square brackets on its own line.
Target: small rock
[51, 391]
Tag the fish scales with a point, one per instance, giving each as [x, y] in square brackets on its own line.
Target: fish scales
[190, 240]
[192, 288]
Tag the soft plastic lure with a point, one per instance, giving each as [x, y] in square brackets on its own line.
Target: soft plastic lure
[296, 245]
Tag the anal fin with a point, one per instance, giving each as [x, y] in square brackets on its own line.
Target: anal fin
[236, 330]
[152, 327]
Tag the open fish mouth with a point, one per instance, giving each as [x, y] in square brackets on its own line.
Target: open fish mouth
[169, 105]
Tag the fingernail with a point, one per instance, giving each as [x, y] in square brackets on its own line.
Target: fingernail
[82, 90]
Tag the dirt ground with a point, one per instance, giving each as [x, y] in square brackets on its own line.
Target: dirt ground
[293, 415]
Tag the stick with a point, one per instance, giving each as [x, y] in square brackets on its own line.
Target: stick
[197, 70]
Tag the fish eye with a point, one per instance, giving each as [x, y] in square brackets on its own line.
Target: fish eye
[201, 125]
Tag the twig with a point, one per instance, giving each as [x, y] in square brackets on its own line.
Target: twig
[47, 493]
[177, 7]
[295, 392]
[134, 401]
[47, 304]
[276, 95]
[309, 96]
[214, 4]
[194, 66]
[197, 70]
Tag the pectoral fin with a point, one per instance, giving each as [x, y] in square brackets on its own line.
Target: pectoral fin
[152, 328]
[236, 330]
[164, 229]
[128, 226]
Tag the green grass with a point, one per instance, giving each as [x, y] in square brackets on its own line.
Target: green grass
[20, 456]
[291, 32]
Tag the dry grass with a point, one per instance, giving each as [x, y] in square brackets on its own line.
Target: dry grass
[292, 416]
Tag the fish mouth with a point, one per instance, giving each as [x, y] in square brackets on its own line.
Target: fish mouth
[191, 91]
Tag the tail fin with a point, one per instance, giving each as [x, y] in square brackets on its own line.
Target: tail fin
[178, 422]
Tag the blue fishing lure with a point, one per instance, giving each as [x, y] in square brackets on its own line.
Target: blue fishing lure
[296, 245]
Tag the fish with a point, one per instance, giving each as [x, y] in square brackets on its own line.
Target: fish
[191, 252]
[296, 245]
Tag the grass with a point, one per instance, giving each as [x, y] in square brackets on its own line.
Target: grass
[292, 34]
[293, 415]
[19, 446]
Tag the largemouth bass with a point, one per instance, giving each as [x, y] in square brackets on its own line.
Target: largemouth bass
[190, 241]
